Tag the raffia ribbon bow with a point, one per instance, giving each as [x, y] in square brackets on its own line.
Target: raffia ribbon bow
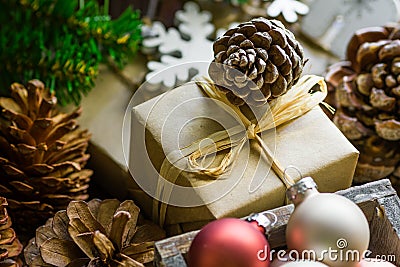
[300, 99]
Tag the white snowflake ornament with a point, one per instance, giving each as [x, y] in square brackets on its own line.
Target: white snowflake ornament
[288, 8]
[185, 47]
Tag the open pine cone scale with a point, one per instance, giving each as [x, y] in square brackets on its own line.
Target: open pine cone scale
[97, 233]
[10, 247]
[367, 96]
[42, 154]
[256, 61]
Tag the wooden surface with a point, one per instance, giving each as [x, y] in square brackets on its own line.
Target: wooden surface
[378, 201]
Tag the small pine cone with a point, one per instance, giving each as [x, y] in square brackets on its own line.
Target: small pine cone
[367, 98]
[256, 61]
[10, 247]
[42, 156]
[97, 233]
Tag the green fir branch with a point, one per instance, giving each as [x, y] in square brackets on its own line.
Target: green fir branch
[62, 43]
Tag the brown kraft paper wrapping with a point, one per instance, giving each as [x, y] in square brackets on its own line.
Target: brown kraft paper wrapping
[312, 143]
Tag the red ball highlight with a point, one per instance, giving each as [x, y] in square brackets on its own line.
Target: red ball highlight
[230, 243]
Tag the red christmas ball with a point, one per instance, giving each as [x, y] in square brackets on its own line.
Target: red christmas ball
[230, 243]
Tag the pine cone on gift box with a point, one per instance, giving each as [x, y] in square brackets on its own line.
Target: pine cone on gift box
[42, 156]
[97, 233]
[367, 97]
[256, 61]
[10, 247]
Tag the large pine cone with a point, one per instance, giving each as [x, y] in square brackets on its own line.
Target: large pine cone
[10, 247]
[42, 155]
[256, 61]
[367, 97]
[97, 233]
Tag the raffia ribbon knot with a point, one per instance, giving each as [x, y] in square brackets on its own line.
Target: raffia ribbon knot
[296, 102]
[251, 133]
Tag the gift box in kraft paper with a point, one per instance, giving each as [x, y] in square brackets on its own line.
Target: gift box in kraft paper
[184, 115]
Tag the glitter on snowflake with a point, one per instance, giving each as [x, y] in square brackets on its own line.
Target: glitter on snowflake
[185, 46]
[288, 8]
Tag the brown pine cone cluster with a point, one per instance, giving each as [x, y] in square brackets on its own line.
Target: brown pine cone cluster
[97, 233]
[42, 155]
[367, 96]
[10, 247]
[256, 61]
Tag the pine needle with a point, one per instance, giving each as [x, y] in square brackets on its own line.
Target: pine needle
[62, 43]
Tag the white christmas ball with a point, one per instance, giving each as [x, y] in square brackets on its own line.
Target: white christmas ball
[332, 228]
[375, 263]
